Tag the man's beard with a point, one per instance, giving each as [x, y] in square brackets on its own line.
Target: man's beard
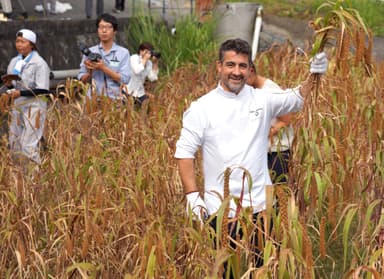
[234, 88]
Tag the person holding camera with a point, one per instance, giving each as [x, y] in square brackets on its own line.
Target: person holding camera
[107, 64]
[26, 80]
[144, 65]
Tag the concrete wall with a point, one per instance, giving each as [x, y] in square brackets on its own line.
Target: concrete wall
[57, 41]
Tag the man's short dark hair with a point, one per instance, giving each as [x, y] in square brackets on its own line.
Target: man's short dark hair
[237, 45]
[145, 45]
[107, 18]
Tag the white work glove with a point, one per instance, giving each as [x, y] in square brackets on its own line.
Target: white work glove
[319, 64]
[197, 205]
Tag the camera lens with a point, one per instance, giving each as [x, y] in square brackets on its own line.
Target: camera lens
[155, 53]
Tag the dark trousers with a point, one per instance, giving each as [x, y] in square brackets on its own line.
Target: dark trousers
[120, 5]
[138, 101]
[238, 234]
[278, 166]
[89, 7]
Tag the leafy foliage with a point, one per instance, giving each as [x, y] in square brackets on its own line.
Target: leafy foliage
[191, 42]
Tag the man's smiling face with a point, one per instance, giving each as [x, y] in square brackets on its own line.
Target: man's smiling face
[234, 70]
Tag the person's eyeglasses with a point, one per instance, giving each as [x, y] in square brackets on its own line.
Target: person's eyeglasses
[106, 27]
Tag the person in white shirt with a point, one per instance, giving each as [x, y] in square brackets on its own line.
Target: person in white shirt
[144, 66]
[280, 135]
[231, 124]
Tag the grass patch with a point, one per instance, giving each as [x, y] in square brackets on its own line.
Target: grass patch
[191, 43]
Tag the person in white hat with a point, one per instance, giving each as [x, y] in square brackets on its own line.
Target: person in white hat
[27, 80]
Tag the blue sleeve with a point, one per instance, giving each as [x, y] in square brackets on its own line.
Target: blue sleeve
[125, 70]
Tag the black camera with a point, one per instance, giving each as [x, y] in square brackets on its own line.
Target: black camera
[155, 53]
[94, 57]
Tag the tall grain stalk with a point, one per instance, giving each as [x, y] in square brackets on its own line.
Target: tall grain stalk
[335, 28]
[108, 202]
[337, 159]
[347, 30]
[332, 29]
